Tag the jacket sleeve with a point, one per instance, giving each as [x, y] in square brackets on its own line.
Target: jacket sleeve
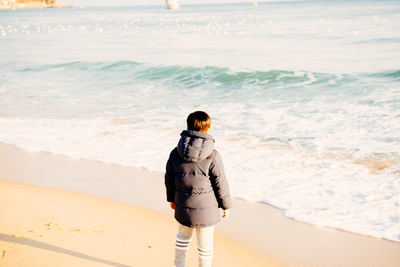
[219, 182]
[170, 181]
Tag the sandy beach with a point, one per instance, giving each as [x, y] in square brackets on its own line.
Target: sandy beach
[52, 227]
[59, 211]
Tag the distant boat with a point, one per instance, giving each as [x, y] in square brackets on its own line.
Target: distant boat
[172, 4]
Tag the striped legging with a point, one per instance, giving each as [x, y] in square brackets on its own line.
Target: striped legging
[205, 245]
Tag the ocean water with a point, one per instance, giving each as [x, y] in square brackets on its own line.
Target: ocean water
[304, 96]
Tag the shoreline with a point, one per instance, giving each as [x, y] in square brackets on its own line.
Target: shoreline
[258, 225]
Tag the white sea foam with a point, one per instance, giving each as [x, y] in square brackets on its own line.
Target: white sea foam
[341, 190]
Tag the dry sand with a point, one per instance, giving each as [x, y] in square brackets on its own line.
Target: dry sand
[264, 234]
[52, 227]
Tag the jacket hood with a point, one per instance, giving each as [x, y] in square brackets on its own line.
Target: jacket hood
[195, 146]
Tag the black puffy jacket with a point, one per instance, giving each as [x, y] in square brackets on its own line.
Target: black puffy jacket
[195, 180]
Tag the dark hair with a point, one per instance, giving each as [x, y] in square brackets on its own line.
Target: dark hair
[198, 121]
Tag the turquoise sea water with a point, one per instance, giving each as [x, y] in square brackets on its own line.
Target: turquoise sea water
[304, 96]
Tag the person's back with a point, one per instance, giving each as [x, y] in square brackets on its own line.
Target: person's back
[196, 188]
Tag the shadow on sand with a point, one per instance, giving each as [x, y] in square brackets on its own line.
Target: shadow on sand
[42, 245]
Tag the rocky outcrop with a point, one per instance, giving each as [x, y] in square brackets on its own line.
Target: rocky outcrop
[26, 4]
